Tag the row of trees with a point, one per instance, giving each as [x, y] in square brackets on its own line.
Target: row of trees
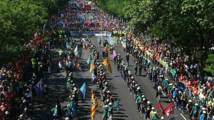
[114, 7]
[189, 24]
[19, 19]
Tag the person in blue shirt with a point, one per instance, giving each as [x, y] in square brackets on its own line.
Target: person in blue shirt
[203, 116]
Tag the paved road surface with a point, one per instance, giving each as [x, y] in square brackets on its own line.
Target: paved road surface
[56, 88]
[128, 109]
[147, 86]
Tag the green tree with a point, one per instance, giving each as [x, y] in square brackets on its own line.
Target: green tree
[19, 19]
[186, 23]
[115, 7]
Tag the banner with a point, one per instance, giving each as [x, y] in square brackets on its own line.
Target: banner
[83, 89]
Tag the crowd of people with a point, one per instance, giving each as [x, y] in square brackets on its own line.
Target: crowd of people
[179, 79]
[99, 77]
[83, 16]
[68, 61]
[20, 79]
[80, 16]
[199, 104]
[175, 75]
[144, 106]
[15, 99]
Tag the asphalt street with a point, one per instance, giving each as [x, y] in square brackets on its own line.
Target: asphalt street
[128, 110]
[118, 87]
[56, 83]
[147, 86]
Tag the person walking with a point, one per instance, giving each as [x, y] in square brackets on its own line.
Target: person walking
[138, 100]
[136, 67]
[110, 111]
[159, 92]
[105, 113]
[117, 104]
[127, 58]
[57, 111]
[140, 69]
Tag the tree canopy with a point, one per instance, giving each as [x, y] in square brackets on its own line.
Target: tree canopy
[19, 19]
[188, 24]
[114, 7]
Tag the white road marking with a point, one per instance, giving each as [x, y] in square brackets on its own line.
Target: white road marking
[183, 116]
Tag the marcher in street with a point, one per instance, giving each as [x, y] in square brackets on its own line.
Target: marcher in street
[136, 67]
[140, 69]
[127, 58]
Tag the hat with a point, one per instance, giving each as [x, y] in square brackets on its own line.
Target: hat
[110, 103]
[190, 101]
[105, 106]
[143, 96]
[6, 112]
[21, 116]
[204, 112]
[153, 108]
[25, 109]
[75, 88]
[67, 118]
[70, 74]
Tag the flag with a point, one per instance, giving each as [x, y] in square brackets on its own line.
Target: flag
[93, 77]
[60, 64]
[114, 54]
[92, 96]
[93, 106]
[76, 52]
[169, 109]
[39, 88]
[93, 111]
[107, 64]
[83, 89]
[92, 67]
[159, 106]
